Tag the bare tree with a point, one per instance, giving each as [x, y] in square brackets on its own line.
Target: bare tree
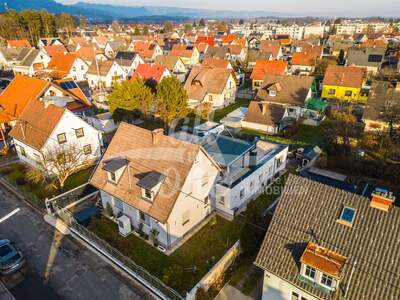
[390, 110]
[57, 164]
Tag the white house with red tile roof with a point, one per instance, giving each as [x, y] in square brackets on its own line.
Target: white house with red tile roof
[62, 131]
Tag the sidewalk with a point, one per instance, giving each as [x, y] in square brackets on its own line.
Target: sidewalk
[229, 292]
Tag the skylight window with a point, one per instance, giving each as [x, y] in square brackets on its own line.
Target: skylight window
[347, 216]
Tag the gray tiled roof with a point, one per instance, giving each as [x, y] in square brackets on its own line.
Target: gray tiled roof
[307, 211]
[366, 57]
[30, 58]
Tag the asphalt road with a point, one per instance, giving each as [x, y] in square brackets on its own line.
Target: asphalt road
[57, 267]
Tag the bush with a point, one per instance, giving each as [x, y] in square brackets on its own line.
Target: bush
[5, 171]
[173, 276]
[20, 181]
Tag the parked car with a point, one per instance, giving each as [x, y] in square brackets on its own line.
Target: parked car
[11, 260]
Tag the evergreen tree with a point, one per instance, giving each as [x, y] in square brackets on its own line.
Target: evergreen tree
[172, 100]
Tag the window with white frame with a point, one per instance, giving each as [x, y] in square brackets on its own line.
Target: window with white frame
[22, 151]
[221, 200]
[309, 272]
[327, 281]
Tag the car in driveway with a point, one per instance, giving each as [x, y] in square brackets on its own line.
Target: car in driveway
[11, 260]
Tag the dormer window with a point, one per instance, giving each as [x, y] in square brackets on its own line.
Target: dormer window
[115, 167]
[272, 93]
[310, 272]
[150, 184]
[322, 266]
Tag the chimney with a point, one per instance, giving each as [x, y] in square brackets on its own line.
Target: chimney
[382, 199]
[156, 134]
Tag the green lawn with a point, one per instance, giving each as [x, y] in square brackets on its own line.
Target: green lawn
[306, 135]
[219, 114]
[15, 173]
[201, 251]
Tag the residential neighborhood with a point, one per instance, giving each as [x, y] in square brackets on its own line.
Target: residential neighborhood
[198, 153]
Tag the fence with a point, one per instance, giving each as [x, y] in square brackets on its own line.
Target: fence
[151, 282]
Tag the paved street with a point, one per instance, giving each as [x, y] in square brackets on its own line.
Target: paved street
[57, 267]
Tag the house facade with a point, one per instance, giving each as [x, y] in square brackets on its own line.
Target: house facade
[104, 74]
[313, 250]
[36, 60]
[344, 84]
[34, 140]
[159, 183]
[215, 86]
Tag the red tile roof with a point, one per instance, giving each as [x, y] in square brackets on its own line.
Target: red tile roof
[32, 130]
[209, 40]
[51, 50]
[216, 63]
[18, 44]
[18, 93]
[62, 63]
[305, 58]
[264, 67]
[181, 51]
[144, 49]
[149, 71]
[270, 46]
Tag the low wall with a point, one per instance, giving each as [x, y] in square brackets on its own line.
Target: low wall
[216, 271]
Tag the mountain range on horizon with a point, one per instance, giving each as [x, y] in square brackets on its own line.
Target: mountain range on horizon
[111, 12]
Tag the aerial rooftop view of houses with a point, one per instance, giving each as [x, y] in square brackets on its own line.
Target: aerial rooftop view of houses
[209, 151]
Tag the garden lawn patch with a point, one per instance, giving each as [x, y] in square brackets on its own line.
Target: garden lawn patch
[201, 251]
[219, 114]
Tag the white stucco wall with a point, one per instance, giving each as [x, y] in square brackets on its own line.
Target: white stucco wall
[275, 288]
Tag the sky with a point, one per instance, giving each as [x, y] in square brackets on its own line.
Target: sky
[389, 8]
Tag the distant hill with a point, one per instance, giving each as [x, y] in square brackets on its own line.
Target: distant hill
[109, 12]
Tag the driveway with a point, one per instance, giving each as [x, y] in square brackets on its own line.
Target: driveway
[57, 267]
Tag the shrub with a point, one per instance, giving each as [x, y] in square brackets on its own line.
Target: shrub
[109, 211]
[173, 276]
[5, 171]
[154, 237]
[20, 180]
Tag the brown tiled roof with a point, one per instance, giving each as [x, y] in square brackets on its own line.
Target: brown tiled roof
[181, 51]
[203, 80]
[31, 128]
[216, 63]
[307, 57]
[344, 76]
[168, 156]
[292, 89]
[103, 66]
[308, 211]
[270, 46]
[264, 113]
[167, 61]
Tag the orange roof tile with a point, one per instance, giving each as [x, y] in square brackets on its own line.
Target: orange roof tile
[149, 71]
[33, 131]
[52, 49]
[18, 44]
[323, 259]
[209, 40]
[181, 51]
[19, 92]
[264, 67]
[62, 63]
[305, 58]
[216, 63]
